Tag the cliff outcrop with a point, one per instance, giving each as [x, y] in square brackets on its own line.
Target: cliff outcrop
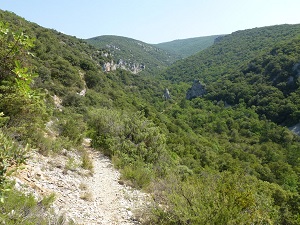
[197, 90]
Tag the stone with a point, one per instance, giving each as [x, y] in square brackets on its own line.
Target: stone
[110, 202]
[197, 90]
[167, 94]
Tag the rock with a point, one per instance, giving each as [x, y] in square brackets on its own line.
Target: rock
[133, 67]
[57, 102]
[295, 129]
[167, 94]
[18, 184]
[197, 90]
[296, 69]
[130, 214]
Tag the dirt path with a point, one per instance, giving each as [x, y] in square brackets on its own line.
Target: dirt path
[85, 199]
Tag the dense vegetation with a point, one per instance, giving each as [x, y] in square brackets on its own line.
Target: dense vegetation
[269, 82]
[257, 66]
[229, 53]
[204, 162]
[187, 47]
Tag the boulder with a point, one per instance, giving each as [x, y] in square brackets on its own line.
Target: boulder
[197, 90]
[167, 94]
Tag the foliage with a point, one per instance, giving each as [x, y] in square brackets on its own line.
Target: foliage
[87, 162]
[135, 141]
[269, 82]
[229, 53]
[10, 155]
[217, 198]
[27, 211]
[119, 133]
[19, 102]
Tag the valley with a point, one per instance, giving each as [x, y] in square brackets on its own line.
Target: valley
[200, 125]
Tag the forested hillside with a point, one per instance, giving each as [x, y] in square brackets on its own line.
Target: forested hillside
[134, 55]
[187, 47]
[203, 161]
[230, 52]
[257, 66]
[270, 83]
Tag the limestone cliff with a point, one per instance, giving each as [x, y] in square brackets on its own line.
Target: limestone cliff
[197, 90]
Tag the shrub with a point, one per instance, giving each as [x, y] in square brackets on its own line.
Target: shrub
[10, 154]
[24, 209]
[87, 162]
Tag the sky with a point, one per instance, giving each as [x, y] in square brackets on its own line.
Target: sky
[154, 21]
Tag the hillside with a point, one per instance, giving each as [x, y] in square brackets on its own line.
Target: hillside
[202, 160]
[270, 82]
[229, 53]
[133, 55]
[257, 66]
[187, 47]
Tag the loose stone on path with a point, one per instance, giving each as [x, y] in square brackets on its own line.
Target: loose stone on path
[85, 199]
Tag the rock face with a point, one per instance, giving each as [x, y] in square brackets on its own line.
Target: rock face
[197, 90]
[167, 94]
[295, 129]
[134, 68]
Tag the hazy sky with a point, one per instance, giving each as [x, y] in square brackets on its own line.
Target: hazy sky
[154, 21]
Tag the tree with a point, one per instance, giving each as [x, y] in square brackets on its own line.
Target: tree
[19, 101]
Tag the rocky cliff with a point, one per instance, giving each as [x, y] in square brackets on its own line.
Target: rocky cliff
[122, 64]
[197, 90]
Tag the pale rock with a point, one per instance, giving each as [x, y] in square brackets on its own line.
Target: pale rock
[197, 90]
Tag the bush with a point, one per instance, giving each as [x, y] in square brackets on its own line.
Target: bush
[214, 198]
[10, 154]
[24, 209]
[138, 174]
[130, 135]
[87, 162]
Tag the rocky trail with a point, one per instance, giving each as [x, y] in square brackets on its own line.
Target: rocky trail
[82, 197]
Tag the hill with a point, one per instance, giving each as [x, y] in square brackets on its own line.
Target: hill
[229, 53]
[187, 47]
[201, 159]
[133, 55]
[256, 66]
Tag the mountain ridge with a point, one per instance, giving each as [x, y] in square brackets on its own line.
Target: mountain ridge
[188, 46]
[133, 55]
[137, 56]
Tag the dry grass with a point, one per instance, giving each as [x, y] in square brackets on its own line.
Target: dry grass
[87, 162]
[83, 186]
[87, 196]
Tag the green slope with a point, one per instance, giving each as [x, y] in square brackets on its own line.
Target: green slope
[187, 47]
[229, 53]
[133, 52]
[269, 82]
